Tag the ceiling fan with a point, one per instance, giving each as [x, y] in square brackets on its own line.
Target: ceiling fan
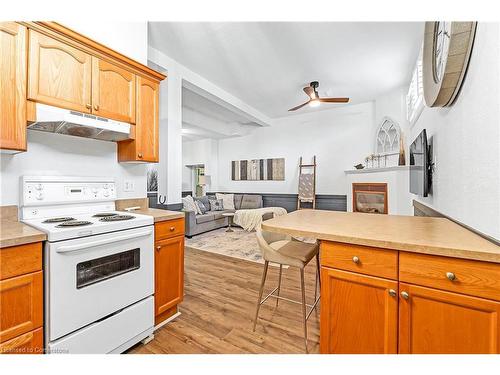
[314, 99]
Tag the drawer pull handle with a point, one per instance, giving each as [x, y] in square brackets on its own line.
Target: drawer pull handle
[392, 293]
[451, 276]
[172, 229]
[405, 295]
[355, 259]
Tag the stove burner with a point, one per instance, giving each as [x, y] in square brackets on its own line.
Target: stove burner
[75, 223]
[117, 218]
[105, 214]
[57, 220]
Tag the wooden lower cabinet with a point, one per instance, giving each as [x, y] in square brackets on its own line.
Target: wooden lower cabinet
[432, 305]
[169, 277]
[28, 343]
[433, 321]
[21, 299]
[359, 313]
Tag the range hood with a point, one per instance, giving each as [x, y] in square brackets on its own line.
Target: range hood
[63, 121]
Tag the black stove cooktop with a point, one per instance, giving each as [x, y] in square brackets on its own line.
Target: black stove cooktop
[74, 223]
[57, 220]
[116, 218]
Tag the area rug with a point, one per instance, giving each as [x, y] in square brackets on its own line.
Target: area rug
[238, 244]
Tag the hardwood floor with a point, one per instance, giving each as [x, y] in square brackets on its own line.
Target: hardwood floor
[219, 306]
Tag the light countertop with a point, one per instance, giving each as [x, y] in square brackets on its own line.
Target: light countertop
[427, 235]
[159, 215]
[14, 233]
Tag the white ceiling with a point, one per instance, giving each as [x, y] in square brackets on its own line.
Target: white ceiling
[266, 64]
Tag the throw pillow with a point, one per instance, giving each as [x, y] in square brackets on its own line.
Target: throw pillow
[216, 205]
[188, 204]
[204, 200]
[201, 207]
[227, 200]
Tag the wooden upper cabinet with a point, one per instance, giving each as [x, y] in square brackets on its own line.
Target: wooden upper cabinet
[59, 74]
[432, 321]
[359, 313]
[13, 39]
[113, 91]
[144, 146]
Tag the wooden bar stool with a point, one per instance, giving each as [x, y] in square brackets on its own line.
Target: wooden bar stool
[283, 250]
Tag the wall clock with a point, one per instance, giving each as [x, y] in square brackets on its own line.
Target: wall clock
[447, 50]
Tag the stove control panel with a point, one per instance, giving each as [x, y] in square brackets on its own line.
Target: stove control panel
[72, 191]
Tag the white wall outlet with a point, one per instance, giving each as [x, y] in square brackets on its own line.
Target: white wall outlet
[128, 186]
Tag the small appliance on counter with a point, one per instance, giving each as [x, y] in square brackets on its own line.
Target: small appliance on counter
[99, 264]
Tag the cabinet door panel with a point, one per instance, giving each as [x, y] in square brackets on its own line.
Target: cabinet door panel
[358, 315]
[13, 86]
[59, 74]
[169, 274]
[21, 299]
[113, 91]
[28, 343]
[437, 322]
[147, 119]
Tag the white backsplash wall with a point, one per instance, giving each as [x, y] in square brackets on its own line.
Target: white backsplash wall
[57, 154]
[466, 138]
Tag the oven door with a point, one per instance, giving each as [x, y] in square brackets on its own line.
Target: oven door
[90, 278]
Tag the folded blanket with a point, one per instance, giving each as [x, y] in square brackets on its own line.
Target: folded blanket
[252, 218]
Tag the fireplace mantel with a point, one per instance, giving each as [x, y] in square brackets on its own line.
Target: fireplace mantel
[375, 170]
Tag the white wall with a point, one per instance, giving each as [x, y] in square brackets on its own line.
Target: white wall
[128, 38]
[54, 154]
[204, 152]
[466, 141]
[340, 138]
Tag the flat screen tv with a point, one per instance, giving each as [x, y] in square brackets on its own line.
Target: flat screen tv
[420, 178]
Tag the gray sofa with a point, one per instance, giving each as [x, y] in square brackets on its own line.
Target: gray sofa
[196, 224]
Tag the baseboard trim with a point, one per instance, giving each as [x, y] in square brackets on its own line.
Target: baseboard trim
[168, 320]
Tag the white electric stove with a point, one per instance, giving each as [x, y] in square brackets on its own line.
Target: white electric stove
[98, 264]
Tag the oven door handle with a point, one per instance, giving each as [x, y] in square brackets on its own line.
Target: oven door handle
[70, 248]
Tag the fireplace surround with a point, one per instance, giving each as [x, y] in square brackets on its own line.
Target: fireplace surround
[370, 197]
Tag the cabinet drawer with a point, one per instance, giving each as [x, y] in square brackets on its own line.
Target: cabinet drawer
[18, 260]
[168, 229]
[21, 299]
[29, 343]
[480, 279]
[360, 259]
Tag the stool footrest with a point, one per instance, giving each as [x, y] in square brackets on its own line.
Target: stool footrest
[272, 295]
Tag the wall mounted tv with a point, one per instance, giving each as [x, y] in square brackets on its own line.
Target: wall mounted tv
[420, 166]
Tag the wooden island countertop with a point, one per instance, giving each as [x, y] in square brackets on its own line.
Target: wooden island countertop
[425, 235]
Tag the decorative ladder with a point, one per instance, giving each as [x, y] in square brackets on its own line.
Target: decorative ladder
[307, 184]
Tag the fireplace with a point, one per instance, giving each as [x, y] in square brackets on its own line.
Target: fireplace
[369, 198]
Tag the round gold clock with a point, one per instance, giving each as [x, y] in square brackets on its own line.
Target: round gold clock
[447, 50]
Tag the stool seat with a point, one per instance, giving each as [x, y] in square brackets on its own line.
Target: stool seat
[293, 253]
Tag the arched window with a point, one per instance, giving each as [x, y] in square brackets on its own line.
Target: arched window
[387, 137]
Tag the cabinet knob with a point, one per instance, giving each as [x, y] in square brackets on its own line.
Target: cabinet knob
[172, 229]
[392, 293]
[96, 107]
[88, 106]
[355, 259]
[139, 155]
[451, 276]
[158, 247]
[405, 295]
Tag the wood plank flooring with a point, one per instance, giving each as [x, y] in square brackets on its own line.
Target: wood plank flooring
[219, 306]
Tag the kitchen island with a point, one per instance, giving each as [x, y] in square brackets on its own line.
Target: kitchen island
[401, 284]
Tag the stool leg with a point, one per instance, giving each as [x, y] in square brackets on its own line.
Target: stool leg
[318, 278]
[303, 306]
[279, 284]
[264, 274]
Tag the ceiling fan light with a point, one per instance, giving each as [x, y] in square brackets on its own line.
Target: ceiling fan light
[314, 103]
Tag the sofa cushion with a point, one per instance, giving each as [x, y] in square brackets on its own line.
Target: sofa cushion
[227, 200]
[188, 204]
[237, 201]
[209, 216]
[216, 205]
[201, 207]
[204, 200]
[251, 202]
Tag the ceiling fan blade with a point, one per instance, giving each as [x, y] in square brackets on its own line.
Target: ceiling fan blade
[299, 106]
[334, 100]
[310, 92]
